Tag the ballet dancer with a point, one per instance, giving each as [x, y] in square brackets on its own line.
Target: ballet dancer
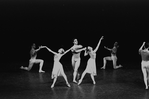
[144, 52]
[57, 67]
[76, 51]
[113, 57]
[33, 54]
[91, 64]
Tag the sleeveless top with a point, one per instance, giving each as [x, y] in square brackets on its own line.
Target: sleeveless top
[92, 55]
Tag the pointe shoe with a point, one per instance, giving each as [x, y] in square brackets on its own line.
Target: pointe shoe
[41, 71]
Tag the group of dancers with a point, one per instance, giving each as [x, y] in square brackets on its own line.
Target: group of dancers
[76, 51]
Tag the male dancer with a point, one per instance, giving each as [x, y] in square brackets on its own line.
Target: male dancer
[145, 63]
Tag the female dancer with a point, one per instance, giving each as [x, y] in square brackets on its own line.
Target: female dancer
[58, 68]
[33, 59]
[91, 64]
[76, 50]
[113, 57]
[145, 63]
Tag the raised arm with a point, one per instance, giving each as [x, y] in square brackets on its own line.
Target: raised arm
[98, 44]
[50, 50]
[141, 46]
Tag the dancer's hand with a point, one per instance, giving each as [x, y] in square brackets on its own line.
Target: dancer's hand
[102, 37]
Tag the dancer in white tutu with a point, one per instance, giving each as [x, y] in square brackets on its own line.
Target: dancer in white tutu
[33, 59]
[76, 51]
[113, 57]
[91, 64]
[144, 52]
[57, 67]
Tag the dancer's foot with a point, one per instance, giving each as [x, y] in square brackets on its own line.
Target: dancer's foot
[68, 84]
[41, 71]
[52, 86]
[146, 87]
[94, 82]
[79, 82]
[102, 67]
[74, 81]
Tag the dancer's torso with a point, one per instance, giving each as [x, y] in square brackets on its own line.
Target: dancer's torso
[92, 55]
[144, 56]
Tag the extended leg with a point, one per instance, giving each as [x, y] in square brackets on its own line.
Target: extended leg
[83, 74]
[92, 76]
[65, 77]
[55, 78]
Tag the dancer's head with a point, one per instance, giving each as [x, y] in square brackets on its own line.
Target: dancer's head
[61, 50]
[89, 48]
[75, 41]
[34, 46]
[116, 44]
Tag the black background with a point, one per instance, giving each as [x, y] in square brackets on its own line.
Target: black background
[55, 23]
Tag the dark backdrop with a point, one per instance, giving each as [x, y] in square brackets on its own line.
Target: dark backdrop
[56, 23]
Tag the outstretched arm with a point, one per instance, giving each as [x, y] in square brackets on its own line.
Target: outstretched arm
[50, 50]
[98, 44]
[107, 48]
[141, 46]
[67, 50]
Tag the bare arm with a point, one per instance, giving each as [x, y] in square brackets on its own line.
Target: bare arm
[50, 50]
[67, 51]
[38, 49]
[107, 48]
[81, 49]
[141, 46]
[85, 53]
[98, 44]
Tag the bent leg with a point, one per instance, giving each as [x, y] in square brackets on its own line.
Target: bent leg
[105, 61]
[40, 61]
[83, 74]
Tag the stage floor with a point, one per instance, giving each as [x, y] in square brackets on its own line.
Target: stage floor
[110, 84]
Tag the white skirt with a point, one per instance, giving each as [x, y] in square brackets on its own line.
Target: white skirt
[57, 70]
[91, 67]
